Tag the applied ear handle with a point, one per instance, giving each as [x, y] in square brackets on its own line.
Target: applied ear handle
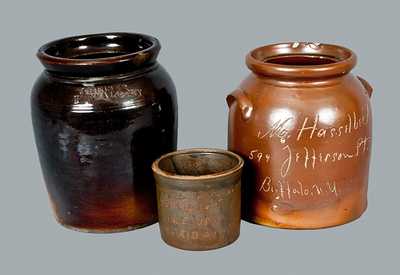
[366, 85]
[244, 103]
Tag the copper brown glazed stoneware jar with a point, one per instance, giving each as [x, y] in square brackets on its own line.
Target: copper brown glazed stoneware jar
[103, 110]
[302, 121]
[198, 195]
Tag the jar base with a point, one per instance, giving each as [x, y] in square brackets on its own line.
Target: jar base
[201, 248]
[270, 223]
[105, 231]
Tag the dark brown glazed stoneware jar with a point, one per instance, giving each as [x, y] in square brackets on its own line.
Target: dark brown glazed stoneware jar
[103, 110]
[198, 196]
[302, 121]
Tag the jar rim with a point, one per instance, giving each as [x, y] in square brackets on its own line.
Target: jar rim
[193, 178]
[100, 53]
[301, 60]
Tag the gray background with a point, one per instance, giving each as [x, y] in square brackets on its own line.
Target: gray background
[204, 44]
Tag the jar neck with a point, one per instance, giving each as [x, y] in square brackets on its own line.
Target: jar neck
[303, 83]
[99, 55]
[100, 79]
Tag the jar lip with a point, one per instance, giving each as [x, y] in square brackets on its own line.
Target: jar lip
[100, 53]
[212, 176]
[314, 60]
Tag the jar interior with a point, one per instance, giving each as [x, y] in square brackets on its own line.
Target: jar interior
[301, 60]
[197, 163]
[98, 47]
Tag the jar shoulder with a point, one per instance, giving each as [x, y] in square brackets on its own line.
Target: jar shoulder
[82, 95]
[338, 98]
[262, 107]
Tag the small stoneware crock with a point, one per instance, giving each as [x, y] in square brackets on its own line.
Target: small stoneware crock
[198, 196]
[103, 110]
[302, 122]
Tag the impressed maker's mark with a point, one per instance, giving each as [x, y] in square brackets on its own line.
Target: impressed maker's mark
[107, 93]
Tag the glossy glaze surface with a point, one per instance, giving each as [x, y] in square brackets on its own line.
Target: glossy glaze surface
[198, 196]
[100, 119]
[302, 122]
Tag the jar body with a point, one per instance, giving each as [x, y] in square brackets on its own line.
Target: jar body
[307, 148]
[198, 195]
[96, 139]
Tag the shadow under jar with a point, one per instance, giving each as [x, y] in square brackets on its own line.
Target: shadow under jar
[103, 110]
[303, 123]
[198, 196]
